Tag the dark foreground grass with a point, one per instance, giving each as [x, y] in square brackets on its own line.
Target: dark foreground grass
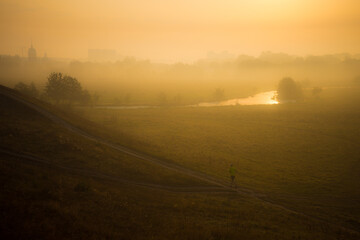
[41, 203]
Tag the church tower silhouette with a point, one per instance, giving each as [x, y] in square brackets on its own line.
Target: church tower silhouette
[32, 53]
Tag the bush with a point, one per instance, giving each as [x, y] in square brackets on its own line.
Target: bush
[289, 91]
[29, 90]
[63, 88]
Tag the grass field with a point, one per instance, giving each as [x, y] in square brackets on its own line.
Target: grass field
[61, 200]
[305, 156]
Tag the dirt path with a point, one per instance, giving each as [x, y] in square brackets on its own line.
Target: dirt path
[168, 165]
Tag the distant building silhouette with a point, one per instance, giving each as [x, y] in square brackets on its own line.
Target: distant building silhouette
[32, 53]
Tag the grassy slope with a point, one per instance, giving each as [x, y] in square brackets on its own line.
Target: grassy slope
[304, 156]
[24, 130]
[45, 202]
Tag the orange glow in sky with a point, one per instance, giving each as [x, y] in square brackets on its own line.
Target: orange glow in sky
[169, 30]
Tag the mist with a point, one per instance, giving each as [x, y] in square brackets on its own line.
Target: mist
[193, 119]
[185, 31]
[143, 81]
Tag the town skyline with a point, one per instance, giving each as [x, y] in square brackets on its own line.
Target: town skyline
[186, 31]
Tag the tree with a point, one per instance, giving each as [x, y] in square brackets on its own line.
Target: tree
[289, 91]
[29, 90]
[177, 99]
[162, 99]
[316, 91]
[64, 88]
[86, 98]
[219, 94]
[95, 99]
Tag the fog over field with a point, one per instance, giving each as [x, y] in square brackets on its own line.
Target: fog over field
[132, 81]
[184, 119]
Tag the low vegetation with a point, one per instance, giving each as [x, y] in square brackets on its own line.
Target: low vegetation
[69, 193]
[303, 155]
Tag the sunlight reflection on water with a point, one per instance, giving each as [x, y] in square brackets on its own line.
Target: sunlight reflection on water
[258, 99]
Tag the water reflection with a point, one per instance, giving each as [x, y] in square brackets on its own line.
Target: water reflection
[258, 99]
[125, 107]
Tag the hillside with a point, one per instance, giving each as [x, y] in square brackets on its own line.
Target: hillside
[64, 177]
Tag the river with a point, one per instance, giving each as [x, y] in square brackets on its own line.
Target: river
[263, 98]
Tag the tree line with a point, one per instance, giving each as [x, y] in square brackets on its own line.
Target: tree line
[59, 89]
[65, 89]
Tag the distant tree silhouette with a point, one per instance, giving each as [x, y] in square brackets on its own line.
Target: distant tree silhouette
[162, 99]
[289, 91]
[63, 88]
[95, 99]
[219, 94]
[177, 99]
[316, 91]
[29, 90]
[85, 98]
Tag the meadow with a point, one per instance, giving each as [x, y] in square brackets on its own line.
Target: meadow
[75, 187]
[304, 155]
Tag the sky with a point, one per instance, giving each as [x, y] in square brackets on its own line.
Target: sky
[173, 30]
